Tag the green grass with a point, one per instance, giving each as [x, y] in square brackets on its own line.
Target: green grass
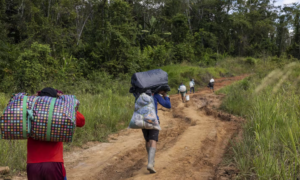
[107, 105]
[12, 153]
[105, 113]
[271, 135]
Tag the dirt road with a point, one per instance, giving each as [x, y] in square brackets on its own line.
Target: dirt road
[191, 144]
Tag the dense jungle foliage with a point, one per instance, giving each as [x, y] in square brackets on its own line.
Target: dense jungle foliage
[71, 42]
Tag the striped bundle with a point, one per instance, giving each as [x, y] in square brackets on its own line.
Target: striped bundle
[42, 118]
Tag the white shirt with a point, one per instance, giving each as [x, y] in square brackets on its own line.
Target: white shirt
[212, 80]
[192, 83]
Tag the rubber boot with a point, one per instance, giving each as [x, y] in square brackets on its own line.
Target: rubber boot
[147, 148]
[151, 156]
[148, 155]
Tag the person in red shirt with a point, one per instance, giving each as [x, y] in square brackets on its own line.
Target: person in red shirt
[45, 159]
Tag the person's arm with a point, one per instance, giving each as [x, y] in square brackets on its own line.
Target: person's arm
[80, 120]
[165, 102]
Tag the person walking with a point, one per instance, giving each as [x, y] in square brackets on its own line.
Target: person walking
[182, 90]
[211, 84]
[45, 159]
[151, 135]
[192, 86]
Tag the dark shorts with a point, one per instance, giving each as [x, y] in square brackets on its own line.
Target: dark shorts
[45, 171]
[183, 94]
[150, 134]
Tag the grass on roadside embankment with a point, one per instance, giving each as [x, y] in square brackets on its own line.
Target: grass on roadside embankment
[270, 103]
[108, 107]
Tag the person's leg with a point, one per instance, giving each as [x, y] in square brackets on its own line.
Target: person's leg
[147, 145]
[64, 171]
[146, 134]
[193, 90]
[45, 171]
[153, 138]
[152, 143]
[53, 171]
[34, 171]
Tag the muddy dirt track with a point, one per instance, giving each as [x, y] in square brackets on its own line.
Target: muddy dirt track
[191, 145]
[193, 140]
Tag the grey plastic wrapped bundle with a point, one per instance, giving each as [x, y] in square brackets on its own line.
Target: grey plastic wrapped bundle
[144, 116]
[153, 80]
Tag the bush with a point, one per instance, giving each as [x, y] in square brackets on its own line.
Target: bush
[157, 56]
[250, 61]
[183, 52]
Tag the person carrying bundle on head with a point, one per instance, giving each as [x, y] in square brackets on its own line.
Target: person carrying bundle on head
[211, 84]
[149, 88]
[151, 135]
[192, 86]
[182, 90]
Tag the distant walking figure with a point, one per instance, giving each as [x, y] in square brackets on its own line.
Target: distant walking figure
[192, 86]
[211, 84]
[182, 90]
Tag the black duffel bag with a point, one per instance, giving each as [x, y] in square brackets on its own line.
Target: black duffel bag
[154, 80]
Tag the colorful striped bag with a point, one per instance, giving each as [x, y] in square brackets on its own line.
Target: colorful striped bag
[48, 119]
[13, 122]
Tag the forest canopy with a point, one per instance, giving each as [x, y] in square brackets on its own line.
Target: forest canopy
[63, 40]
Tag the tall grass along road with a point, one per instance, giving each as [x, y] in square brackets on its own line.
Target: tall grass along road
[269, 148]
